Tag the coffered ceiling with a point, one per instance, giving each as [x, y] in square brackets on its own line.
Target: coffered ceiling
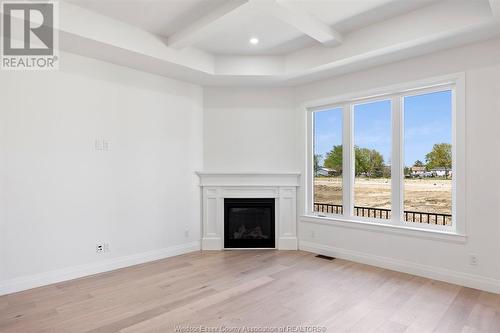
[208, 41]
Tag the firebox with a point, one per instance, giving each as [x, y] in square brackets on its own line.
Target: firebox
[249, 223]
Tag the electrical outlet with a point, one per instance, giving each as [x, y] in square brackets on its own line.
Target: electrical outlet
[312, 234]
[186, 233]
[473, 260]
[100, 248]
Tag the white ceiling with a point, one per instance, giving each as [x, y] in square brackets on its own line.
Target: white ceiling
[161, 17]
[207, 40]
[275, 36]
[166, 17]
[334, 12]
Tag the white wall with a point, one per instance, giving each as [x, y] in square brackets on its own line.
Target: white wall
[59, 196]
[249, 129]
[260, 130]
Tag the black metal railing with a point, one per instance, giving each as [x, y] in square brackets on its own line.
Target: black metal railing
[328, 208]
[372, 212]
[383, 213]
[429, 218]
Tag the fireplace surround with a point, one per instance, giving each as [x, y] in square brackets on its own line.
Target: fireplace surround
[219, 186]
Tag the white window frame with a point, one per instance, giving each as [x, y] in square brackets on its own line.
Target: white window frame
[396, 93]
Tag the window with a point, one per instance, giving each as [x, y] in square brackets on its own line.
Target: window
[328, 161]
[388, 160]
[428, 158]
[372, 159]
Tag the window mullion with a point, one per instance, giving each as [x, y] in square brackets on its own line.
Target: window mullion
[347, 161]
[310, 164]
[397, 173]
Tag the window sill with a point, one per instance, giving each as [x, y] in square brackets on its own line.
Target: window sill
[447, 236]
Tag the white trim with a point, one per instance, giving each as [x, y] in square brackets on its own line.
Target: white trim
[248, 179]
[397, 165]
[301, 20]
[376, 226]
[211, 243]
[206, 24]
[74, 272]
[380, 93]
[246, 173]
[352, 174]
[459, 156]
[495, 8]
[309, 176]
[431, 272]
[454, 82]
[288, 243]
[216, 186]
[347, 158]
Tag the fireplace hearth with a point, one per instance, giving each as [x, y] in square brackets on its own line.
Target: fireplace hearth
[249, 223]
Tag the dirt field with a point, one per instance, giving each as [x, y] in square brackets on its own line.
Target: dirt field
[422, 195]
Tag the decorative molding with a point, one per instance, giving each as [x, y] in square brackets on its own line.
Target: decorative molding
[219, 185]
[257, 179]
[495, 8]
[211, 243]
[69, 273]
[287, 243]
[385, 228]
[431, 272]
[204, 26]
[251, 173]
[301, 20]
[127, 45]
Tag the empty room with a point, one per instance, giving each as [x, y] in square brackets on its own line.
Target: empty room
[263, 166]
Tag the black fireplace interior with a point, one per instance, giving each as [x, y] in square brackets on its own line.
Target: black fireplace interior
[249, 223]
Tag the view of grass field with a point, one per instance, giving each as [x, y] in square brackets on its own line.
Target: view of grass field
[428, 195]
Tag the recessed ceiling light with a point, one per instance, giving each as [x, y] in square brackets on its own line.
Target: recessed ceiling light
[254, 41]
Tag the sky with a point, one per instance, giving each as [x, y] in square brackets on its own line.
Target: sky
[427, 121]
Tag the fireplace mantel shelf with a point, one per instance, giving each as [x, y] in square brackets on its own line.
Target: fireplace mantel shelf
[201, 173]
[259, 179]
[218, 185]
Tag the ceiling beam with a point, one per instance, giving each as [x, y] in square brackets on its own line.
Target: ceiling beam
[495, 8]
[196, 30]
[301, 20]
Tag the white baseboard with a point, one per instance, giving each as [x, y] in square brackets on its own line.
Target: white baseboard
[212, 243]
[431, 272]
[287, 243]
[64, 274]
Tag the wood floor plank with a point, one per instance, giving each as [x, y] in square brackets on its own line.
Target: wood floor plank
[253, 289]
[168, 320]
[459, 310]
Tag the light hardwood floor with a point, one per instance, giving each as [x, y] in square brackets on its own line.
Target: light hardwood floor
[253, 289]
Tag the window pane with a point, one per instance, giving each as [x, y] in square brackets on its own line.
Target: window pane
[428, 158]
[372, 158]
[328, 161]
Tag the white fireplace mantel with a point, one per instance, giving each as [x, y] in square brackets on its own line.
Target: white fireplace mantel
[219, 185]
